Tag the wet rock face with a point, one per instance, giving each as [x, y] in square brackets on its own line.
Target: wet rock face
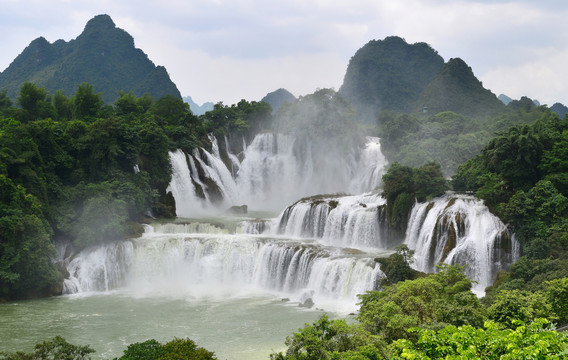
[238, 210]
[308, 303]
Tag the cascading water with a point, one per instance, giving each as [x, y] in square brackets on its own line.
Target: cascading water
[200, 265]
[322, 247]
[275, 170]
[348, 221]
[454, 229]
[459, 229]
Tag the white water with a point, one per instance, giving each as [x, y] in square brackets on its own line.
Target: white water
[218, 265]
[347, 221]
[276, 170]
[482, 241]
[454, 229]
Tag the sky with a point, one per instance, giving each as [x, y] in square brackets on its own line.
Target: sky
[228, 50]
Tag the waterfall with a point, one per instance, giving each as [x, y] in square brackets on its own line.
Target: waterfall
[460, 229]
[209, 264]
[182, 187]
[348, 221]
[275, 170]
[102, 268]
[453, 229]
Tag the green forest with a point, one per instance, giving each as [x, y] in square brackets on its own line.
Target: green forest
[78, 170]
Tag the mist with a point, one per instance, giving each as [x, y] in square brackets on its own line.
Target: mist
[314, 146]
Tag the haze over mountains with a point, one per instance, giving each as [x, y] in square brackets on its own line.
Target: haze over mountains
[387, 74]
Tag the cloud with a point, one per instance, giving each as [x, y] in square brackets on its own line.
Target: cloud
[232, 49]
[543, 79]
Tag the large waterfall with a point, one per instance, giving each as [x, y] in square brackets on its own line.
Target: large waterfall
[203, 264]
[322, 247]
[276, 170]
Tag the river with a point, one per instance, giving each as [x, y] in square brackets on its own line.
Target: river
[234, 327]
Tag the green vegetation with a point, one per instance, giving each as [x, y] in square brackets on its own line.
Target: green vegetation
[77, 171]
[102, 55]
[56, 348]
[403, 186]
[437, 316]
[521, 175]
[536, 340]
[177, 349]
[59, 349]
[447, 137]
[389, 74]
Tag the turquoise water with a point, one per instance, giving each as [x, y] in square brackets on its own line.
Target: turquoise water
[234, 328]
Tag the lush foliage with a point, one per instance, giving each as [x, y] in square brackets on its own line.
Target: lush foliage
[447, 137]
[397, 267]
[434, 301]
[438, 316]
[389, 74]
[331, 339]
[59, 349]
[521, 175]
[176, 349]
[75, 170]
[54, 349]
[403, 185]
[536, 340]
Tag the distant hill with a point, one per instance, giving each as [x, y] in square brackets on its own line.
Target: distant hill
[389, 74]
[504, 99]
[278, 98]
[560, 109]
[197, 109]
[103, 55]
[455, 88]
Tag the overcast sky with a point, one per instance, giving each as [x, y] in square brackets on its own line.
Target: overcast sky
[221, 50]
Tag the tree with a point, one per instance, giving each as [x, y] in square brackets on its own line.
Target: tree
[54, 349]
[34, 101]
[397, 266]
[433, 301]
[535, 340]
[526, 306]
[26, 251]
[176, 349]
[403, 185]
[5, 101]
[330, 339]
[86, 104]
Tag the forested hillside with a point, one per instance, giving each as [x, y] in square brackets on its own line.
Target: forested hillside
[389, 74]
[102, 55]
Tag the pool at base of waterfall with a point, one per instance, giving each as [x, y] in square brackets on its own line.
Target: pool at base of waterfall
[235, 328]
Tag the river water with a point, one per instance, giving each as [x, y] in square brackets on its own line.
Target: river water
[237, 327]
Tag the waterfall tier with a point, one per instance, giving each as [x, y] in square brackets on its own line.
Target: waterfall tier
[345, 221]
[275, 170]
[460, 229]
[209, 264]
[453, 229]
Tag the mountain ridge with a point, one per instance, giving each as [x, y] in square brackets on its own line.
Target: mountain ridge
[102, 55]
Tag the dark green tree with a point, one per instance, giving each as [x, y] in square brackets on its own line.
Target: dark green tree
[86, 103]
